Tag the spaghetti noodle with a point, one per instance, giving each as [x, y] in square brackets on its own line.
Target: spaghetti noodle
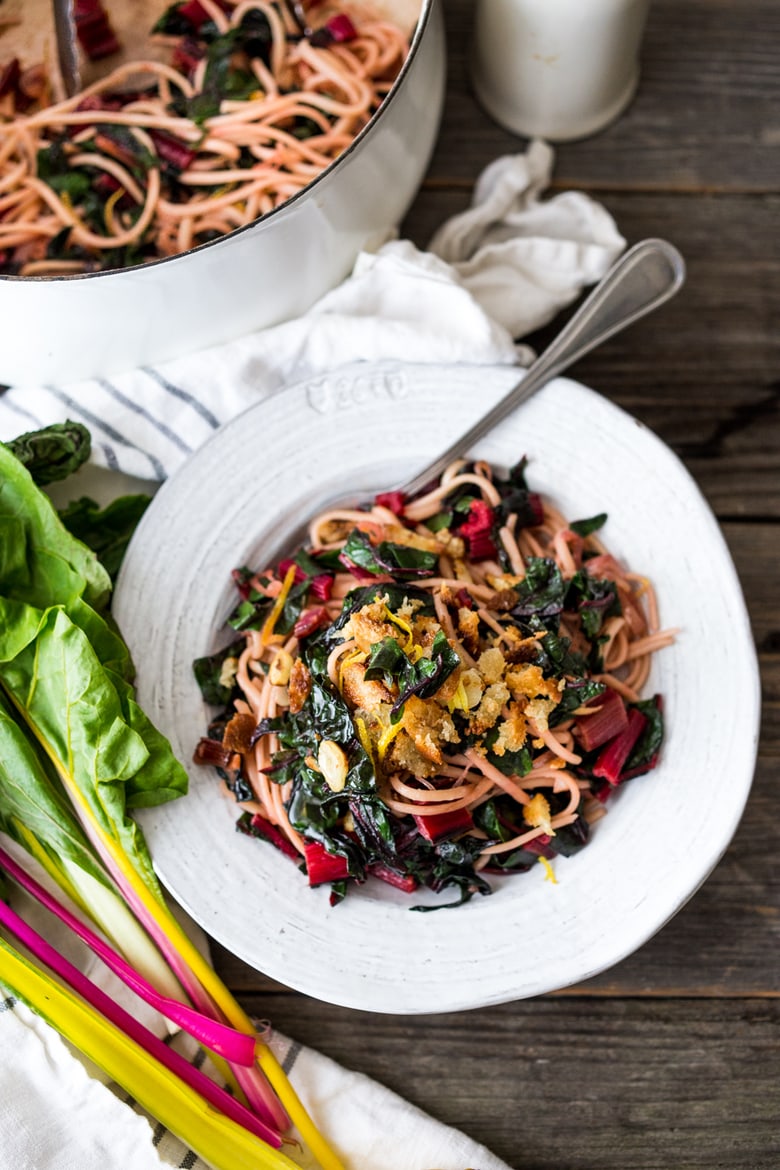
[436, 689]
[156, 158]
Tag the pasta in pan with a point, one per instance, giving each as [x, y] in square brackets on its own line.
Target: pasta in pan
[157, 157]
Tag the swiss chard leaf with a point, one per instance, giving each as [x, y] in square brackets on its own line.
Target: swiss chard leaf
[107, 531]
[592, 524]
[649, 743]
[89, 726]
[251, 612]
[41, 564]
[517, 763]
[594, 599]
[555, 656]
[54, 452]
[569, 839]
[399, 560]
[208, 673]
[576, 693]
[221, 80]
[541, 592]
[423, 678]
[33, 803]
[387, 662]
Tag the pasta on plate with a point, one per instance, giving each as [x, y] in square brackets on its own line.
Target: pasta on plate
[437, 689]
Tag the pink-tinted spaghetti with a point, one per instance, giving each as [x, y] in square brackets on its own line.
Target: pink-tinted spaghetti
[158, 157]
[436, 689]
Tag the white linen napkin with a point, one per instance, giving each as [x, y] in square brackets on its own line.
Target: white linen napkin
[491, 275]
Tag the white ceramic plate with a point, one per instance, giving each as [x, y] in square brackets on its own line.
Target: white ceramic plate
[365, 428]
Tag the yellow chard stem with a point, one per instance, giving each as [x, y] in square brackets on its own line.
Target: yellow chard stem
[215, 1138]
[323, 1152]
[215, 988]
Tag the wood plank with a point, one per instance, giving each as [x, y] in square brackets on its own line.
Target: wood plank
[705, 116]
[575, 1084]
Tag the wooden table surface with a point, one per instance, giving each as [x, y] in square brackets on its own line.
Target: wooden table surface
[672, 1058]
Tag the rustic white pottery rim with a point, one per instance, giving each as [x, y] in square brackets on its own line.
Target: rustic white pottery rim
[363, 428]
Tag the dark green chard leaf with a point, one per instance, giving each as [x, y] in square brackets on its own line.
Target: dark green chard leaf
[316, 812]
[569, 839]
[256, 38]
[434, 671]
[386, 557]
[440, 521]
[577, 693]
[221, 80]
[172, 24]
[458, 501]
[326, 561]
[423, 678]
[586, 527]
[541, 592]
[53, 167]
[487, 817]
[445, 875]
[107, 531]
[329, 714]
[510, 763]
[208, 672]
[54, 452]
[594, 599]
[123, 137]
[251, 612]
[387, 662]
[649, 743]
[555, 656]
[396, 595]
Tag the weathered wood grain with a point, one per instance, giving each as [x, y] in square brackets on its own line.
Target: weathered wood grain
[576, 1084]
[706, 116]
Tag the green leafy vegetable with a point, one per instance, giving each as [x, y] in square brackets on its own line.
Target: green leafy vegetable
[586, 527]
[422, 678]
[222, 80]
[65, 675]
[107, 531]
[542, 590]
[594, 599]
[53, 452]
[649, 743]
[386, 557]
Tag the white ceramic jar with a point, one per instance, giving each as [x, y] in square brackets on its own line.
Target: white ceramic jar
[557, 69]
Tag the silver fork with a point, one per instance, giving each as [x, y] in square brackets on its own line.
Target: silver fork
[643, 278]
[646, 276]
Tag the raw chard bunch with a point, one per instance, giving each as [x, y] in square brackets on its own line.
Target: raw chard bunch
[77, 757]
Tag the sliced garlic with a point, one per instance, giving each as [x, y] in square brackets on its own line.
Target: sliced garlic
[279, 670]
[333, 765]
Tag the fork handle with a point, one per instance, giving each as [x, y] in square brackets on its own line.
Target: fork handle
[642, 279]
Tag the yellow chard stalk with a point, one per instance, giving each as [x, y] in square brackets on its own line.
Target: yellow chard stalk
[219, 1141]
